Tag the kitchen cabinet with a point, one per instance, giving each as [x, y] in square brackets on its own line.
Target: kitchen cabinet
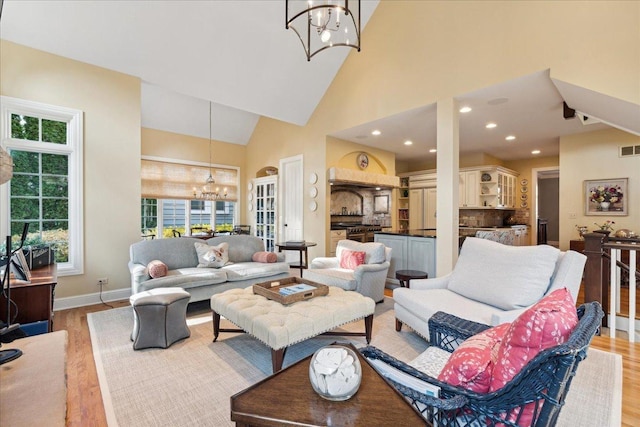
[507, 190]
[409, 253]
[497, 187]
[265, 210]
[398, 245]
[521, 235]
[469, 189]
[422, 208]
[403, 204]
[336, 235]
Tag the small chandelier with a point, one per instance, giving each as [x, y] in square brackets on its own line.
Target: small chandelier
[321, 26]
[208, 192]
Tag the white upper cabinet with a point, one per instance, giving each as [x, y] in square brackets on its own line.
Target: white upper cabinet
[469, 189]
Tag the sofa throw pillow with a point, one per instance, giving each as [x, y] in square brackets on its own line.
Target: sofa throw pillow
[212, 256]
[507, 277]
[351, 259]
[471, 365]
[264, 256]
[157, 268]
[548, 323]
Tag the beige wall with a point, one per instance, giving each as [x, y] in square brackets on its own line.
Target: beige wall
[594, 155]
[446, 49]
[111, 105]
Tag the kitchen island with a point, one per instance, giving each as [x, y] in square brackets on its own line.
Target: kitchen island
[410, 250]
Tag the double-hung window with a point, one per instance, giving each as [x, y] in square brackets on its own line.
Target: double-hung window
[45, 143]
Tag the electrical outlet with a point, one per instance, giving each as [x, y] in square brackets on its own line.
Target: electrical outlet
[572, 215]
[103, 281]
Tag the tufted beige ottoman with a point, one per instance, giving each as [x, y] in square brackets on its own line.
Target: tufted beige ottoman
[279, 326]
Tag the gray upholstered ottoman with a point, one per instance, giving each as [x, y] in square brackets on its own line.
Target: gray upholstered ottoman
[159, 317]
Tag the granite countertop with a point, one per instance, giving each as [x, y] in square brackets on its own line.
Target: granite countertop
[428, 232]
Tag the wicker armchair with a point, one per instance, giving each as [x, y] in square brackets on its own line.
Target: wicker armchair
[545, 379]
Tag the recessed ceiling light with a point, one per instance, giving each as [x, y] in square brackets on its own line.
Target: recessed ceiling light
[535, 152]
[376, 132]
[491, 125]
[378, 188]
[510, 138]
[465, 109]
[433, 150]
[408, 142]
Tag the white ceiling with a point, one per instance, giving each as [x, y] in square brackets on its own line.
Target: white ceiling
[238, 55]
[529, 108]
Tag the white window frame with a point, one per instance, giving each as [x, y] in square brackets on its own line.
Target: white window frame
[72, 149]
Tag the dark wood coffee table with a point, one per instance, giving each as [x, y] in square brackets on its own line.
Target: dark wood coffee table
[287, 398]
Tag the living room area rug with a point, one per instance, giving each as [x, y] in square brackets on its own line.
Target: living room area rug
[191, 382]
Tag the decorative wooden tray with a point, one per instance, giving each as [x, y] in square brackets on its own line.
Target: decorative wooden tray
[276, 290]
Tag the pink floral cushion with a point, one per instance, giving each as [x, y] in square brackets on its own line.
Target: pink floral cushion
[546, 324]
[157, 268]
[471, 364]
[351, 259]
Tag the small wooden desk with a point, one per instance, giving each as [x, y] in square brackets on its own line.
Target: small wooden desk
[375, 404]
[34, 299]
[300, 247]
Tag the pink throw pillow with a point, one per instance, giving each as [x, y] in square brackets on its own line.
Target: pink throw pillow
[471, 365]
[157, 268]
[351, 259]
[264, 257]
[546, 324]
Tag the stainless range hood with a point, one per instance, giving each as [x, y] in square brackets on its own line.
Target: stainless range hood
[356, 178]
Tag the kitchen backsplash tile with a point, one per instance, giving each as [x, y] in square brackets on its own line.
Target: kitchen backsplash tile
[354, 201]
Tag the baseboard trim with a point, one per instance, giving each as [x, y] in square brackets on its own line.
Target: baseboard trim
[90, 299]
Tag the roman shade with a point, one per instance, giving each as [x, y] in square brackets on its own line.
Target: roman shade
[167, 180]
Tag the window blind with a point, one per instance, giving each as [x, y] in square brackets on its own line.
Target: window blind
[165, 180]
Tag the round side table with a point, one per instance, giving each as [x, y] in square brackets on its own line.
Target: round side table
[405, 276]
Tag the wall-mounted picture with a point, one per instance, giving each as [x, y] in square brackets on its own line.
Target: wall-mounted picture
[381, 204]
[607, 197]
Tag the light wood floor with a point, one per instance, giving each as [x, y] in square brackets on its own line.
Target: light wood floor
[84, 401]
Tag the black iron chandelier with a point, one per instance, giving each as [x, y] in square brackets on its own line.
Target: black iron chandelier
[324, 24]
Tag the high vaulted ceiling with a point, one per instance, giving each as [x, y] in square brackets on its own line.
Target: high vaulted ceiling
[235, 53]
[238, 55]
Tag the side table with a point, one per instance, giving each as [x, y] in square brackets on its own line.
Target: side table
[376, 403]
[301, 247]
[405, 276]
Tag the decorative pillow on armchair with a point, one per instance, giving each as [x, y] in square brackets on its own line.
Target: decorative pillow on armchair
[471, 365]
[212, 256]
[351, 259]
[374, 251]
[548, 323]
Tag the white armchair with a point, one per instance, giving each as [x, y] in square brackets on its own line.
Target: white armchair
[367, 279]
[491, 283]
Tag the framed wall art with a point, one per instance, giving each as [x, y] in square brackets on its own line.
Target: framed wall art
[606, 197]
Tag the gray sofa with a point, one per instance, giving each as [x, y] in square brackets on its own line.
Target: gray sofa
[179, 254]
